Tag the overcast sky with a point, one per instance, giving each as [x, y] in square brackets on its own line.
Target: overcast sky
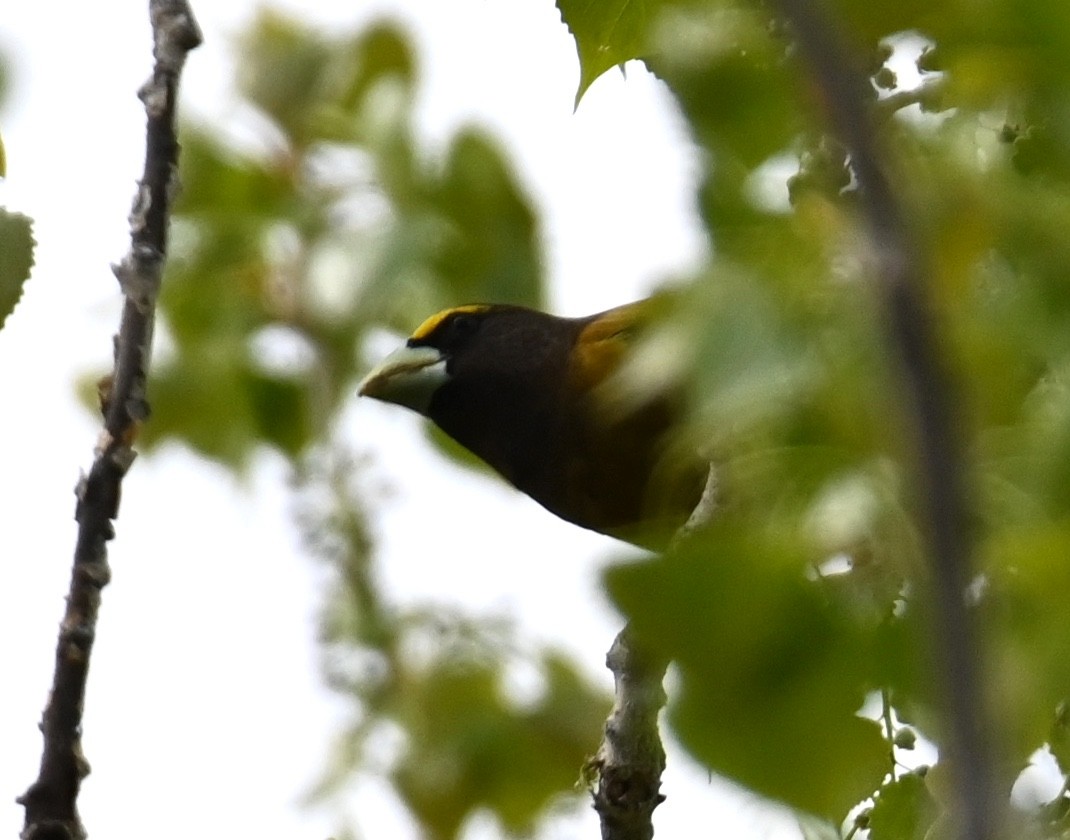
[205, 713]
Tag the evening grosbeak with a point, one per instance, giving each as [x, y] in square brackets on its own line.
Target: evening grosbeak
[534, 396]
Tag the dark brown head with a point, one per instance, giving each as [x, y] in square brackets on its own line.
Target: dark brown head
[490, 376]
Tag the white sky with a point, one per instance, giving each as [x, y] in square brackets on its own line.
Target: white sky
[205, 713]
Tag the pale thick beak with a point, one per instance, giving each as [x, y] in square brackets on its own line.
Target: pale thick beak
[409, 376]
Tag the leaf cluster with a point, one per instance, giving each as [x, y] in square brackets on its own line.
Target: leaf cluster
[804, 598]
[291, 251]
[799, 608]
[443, 684]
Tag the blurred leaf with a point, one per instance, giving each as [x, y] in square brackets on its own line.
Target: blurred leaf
[806, 596]
[771, 674]
[729, 75]
[224, 186]
[285, 258]
[490, 248]
[16, 259]
[1029, 580]
[470, 747]
[316, 86]
[343, 227]
[904, 810]
[206, 398]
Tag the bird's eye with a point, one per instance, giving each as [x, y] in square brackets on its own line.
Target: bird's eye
[462, 327]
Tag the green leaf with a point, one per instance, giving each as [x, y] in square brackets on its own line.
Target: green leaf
[222, 186]
[314, 86]
[470, 746]
[286, 240]
[283, 68]
[771, 674]
[489, 245]
[16, 259]
[204, 399]
[1025, 618]
[280, 407]
[904, 810]
[607, 33]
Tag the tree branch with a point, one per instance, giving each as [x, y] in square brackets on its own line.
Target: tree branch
[50, 803]
[628, 766]
[848, 101]
[626, 771]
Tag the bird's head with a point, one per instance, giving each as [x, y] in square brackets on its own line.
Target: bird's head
[475, 350]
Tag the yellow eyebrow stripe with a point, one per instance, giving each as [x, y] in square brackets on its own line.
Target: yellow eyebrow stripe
[431, 324]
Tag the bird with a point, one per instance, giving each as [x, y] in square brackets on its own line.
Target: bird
[534, 396]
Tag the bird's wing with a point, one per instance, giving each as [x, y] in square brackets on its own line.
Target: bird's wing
[603, 343]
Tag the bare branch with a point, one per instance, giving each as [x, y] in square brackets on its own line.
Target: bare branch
[928, 94]
[51, 801]
[848, 100]
[627, 769]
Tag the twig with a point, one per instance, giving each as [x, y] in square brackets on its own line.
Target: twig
[628, 766]
[51, 801]
[927, 94]
[703, 512]
[889, 728]
[848, 100]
